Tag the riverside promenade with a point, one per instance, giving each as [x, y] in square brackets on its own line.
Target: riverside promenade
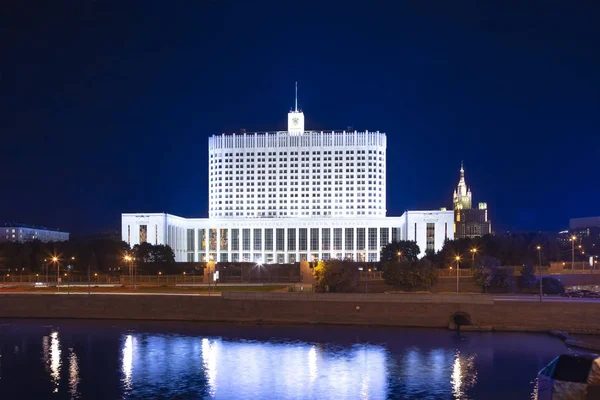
[472, 311]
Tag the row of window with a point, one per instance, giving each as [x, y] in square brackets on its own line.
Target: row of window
[270, 258]
[295, 153]
[274, 239]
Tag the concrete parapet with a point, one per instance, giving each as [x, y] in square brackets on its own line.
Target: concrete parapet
[410, 310]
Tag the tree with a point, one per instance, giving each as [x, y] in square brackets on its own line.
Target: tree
[489, 274]
[143, 252]
[400, 250]
[527, 278]
[162, 253]
[336, 276]
[410, 275]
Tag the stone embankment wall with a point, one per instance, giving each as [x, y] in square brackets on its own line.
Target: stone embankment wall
[411, 310]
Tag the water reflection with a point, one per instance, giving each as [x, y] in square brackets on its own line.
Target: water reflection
[127, 361]
[52, 352]
[209, 363]
[269, 362]
[464, 375]
[73, 374]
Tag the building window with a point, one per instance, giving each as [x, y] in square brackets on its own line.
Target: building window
[155, 234]
[143, 233]
[224, 239]
[395, 235]
[212, 239]
[337, 239]
[373, 257]
[325, 239]
[128, 234]
[360, 238]
[314, 239]
[235, 240]
[372, 238]
[384, 236]
[246, 242]
[349, 239]
[269, 239]
[415, 231]
[258, 239]
[280, 237]
[430, 237]
[292, 240]
[223, 257]
[190, 257]
[191, 240]
[445, 231]
[303, 232]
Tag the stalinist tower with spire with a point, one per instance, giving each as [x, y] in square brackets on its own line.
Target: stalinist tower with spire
[462, 195]
[468, 222]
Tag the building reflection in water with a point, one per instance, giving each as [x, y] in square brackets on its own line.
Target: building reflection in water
[209, 363]
[127, 362]
[253, 369]
[464, 375]
[73, 374]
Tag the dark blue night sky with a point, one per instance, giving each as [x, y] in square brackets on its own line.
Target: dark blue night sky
[107, 106]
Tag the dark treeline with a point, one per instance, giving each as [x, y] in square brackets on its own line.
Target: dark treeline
[100, 255]
[509, 250]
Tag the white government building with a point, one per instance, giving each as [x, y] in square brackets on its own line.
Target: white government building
[289, 196]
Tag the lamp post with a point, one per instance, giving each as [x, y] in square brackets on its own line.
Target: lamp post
[573, 251]
[159, 274]
[129, 261]
[55, 261]
[367, 285]
[457, 272]
[539, 249]
[473, 251]
[46, 265]
[399, 255]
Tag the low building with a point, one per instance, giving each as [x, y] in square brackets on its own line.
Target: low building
[24, 233]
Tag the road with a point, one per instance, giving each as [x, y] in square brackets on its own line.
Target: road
[549, 299]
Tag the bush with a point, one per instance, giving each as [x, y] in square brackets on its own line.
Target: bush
[490, 275]
[336, 276]
[551, 286]
[410, 275]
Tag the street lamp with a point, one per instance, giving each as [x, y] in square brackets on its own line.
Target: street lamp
[457, 272]
[399, 255]
[367, 281]
[573, 251]
[55, 261]
[473, 251]
[539, 249]
[259, 265]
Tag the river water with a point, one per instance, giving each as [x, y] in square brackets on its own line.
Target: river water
[67, 359]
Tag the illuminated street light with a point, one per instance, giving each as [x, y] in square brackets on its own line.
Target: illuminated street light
[457, 272]
[55, 261]
[539, 249]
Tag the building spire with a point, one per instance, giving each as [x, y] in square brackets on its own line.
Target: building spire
[296, 96]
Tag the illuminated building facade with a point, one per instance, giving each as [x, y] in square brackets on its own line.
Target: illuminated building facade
[24, 233]
[287, 196]
[469, 222]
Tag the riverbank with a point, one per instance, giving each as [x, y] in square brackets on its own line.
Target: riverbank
[410, 310]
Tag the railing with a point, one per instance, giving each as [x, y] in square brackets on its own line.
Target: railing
[359, 297]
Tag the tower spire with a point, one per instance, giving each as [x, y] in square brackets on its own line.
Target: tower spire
[296, 96]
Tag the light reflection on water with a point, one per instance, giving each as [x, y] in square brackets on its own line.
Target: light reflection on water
[239, 362]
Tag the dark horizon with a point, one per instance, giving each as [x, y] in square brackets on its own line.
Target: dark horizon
[108, 107]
